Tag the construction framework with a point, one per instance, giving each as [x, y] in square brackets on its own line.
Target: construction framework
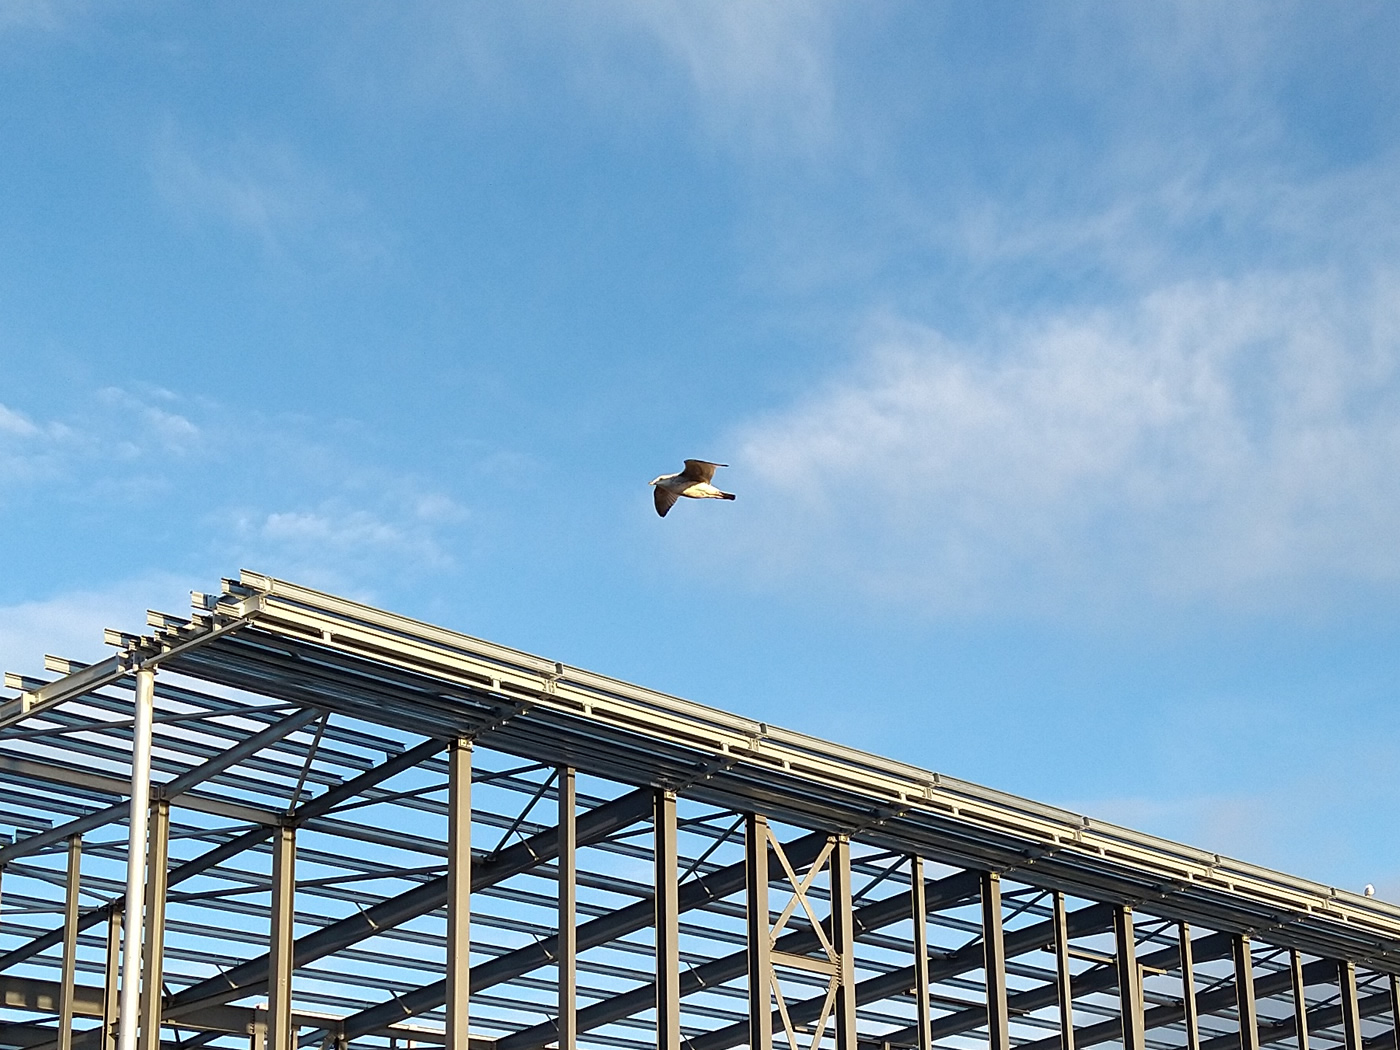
[293, 820]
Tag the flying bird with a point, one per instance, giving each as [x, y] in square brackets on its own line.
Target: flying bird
[693, 481]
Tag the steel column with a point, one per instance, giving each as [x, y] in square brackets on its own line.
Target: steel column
[109, 982]
[1129, 980]
[760, 943]
[129, 1018]
[1064, 991]
[994, 961]
[567, 948]
[1188, 987]
[70, 942]
[1395, 1009]
[153, 946]
[459, 886]
[668, 960]
[1300, 999]
[282, 940]
[843, 940]
[1244, 994]
[1351, 1014]
[918, 902]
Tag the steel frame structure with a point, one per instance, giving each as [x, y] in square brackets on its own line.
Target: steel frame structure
[293, 820]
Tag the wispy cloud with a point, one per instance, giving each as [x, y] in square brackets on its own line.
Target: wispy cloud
[1234, 442]
[267, 191]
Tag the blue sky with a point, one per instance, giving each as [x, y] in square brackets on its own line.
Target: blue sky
[1055, 350]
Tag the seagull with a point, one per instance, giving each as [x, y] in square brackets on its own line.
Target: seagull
[1369, 891]
[693, 481]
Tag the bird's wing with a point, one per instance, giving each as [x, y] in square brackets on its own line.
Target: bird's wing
[665, 499]
[700, 470]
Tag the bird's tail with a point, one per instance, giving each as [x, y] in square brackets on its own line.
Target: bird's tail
[727, 495]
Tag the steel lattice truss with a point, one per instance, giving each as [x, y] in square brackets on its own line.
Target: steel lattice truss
[362, 829]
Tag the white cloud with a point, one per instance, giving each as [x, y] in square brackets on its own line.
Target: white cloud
[12, 422]
[1235, 441]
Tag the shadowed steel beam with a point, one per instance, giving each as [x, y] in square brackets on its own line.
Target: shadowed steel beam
[1064, 990]
[1216, 945]
[994, 964]
[1395, 1009]
[668, 958]
[760, 944]
[109, 981]
[153, 945]
[129, 1017]
[1320, 1018]
[1351, 1015]
[694, 893]
[1188, 987]
[282, 940]
[568, 901]
[875, 916]
[1129, 979]
[918, 906]
[172, 788]
[1300, 998]
[318, 806]
[459, 884]
[596, 824]
[843, 941]
[1244, 994]
[70, 942]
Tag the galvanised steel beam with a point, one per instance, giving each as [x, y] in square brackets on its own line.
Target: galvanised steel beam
[1244, 994]
[696, 892]
[567, 937]
[941, 893]
[1351, 1016]
[1300, 999]
[281, 940]
[128, 1017]
[1064, 977]
[70, 943]
[1187, 960]
[315, 807]
[668, 952]
[918, 906]
[994, 964]
[1207, 1003]
[459, 885]
[1130, 1007]
[595, 825]
[759, 867]
[1089, 920]
[153, 943]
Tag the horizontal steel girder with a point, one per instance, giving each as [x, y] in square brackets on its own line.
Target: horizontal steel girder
[694, 893]
[940, 892]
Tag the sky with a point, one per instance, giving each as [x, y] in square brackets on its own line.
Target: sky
[1054, 350]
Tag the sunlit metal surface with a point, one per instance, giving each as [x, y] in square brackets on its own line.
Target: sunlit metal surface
[354, 835]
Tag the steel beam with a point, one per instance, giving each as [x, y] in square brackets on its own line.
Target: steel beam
[1064, 989]
[1351, 1016]
[843, 941]
[459, 886]
[596, 824]
[1129, 979]
[281, 940]
[918, 906]
[153, 945]
[994, 964]
[1320, 1018]
[133, 928]
[1244, 994]
[1394, 983]
[567, 950]
[69, 971]
[1300, 998]
[109, 980]
[760, 944]
[1188, 987]
[668, 959]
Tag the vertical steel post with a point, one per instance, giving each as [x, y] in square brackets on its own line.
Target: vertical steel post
[568, 941]
[668, 959]
[1300, 999]
[70, 942]
[759, 939]
[282, 938]
[1351, 1014]
[153, 947]
[459, 887]
[1188, 987]
[918, 905]
[1395, 1009]
[129, 1018]
[994, 959]
[1244, 994]
[1064, 991]
[1129, 979]
[109, 982]
[843, 940]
